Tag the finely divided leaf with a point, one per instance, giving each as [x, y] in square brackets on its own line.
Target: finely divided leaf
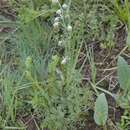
[123, 73]
[101, 110]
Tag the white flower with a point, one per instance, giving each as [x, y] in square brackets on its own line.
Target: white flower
[57, 19]
[56, 25]
[60, 43]
[64, 61]
[55, 1]
[59, 12]
[64, 6]
[69, 28]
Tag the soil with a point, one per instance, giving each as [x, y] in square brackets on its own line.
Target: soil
[30, 122]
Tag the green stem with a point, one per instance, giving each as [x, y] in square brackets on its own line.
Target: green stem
[94, 88]
[14, 128]
[105, 91]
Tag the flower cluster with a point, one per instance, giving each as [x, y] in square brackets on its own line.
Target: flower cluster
[62, 19]
[61, 16]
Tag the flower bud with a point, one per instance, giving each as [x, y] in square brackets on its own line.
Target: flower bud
[69, 28]
[64, 61]
[56, 26]
[65, 6]
[57, 19]
[59, 12]
[60, 43]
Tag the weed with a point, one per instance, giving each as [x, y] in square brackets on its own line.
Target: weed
[123, 99]
[45, 81]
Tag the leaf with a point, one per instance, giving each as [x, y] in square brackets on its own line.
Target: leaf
[101, 110]
[123, 73]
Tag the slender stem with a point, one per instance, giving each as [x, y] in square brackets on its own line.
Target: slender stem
[105, 91]
[14, 128]
[94, 87]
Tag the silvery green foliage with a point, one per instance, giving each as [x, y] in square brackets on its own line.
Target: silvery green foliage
[101, 110]
[123, 73]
